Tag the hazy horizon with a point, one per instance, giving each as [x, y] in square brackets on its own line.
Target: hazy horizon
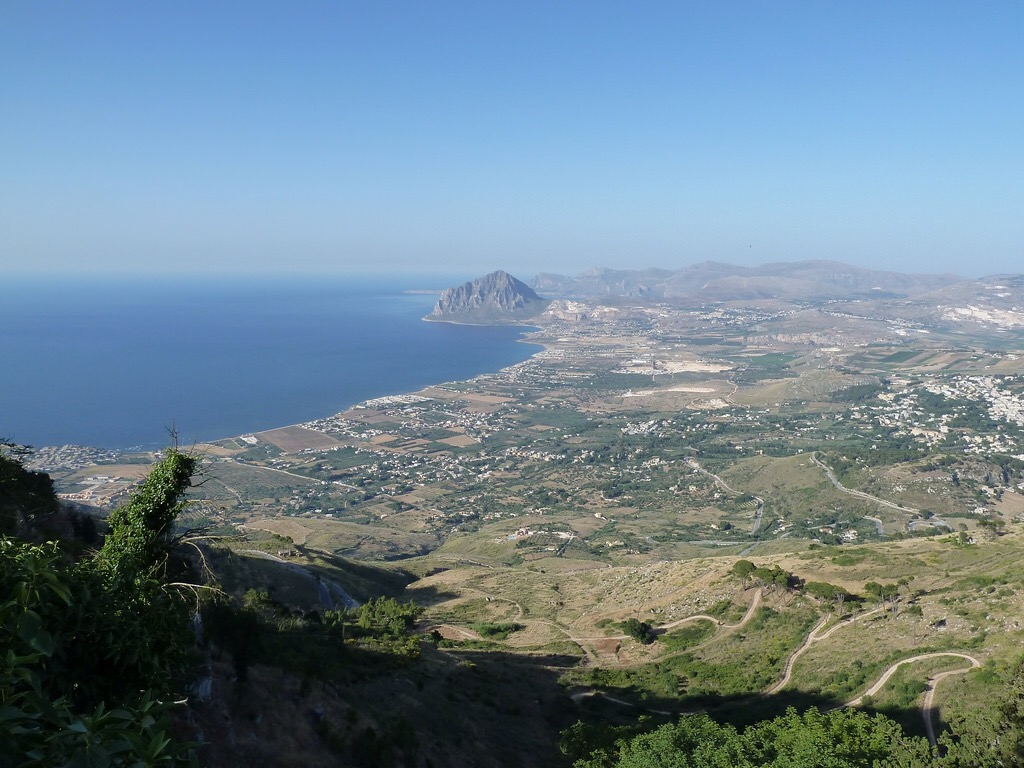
[462, 138]
[425, 278]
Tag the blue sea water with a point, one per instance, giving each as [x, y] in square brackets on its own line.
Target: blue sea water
[117, 363]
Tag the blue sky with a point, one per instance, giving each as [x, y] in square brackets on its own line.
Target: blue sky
[468, 136]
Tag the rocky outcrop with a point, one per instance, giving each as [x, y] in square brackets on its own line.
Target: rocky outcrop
[491, 299]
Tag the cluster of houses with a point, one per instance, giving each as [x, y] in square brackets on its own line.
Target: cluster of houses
[903, 413]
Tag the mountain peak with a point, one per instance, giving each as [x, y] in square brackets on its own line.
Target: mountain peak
[497, 297]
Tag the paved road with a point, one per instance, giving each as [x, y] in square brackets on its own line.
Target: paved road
[859, 494]
[307, 478]
[914, 524]
[878, 524]
[758, 513]
[933, 522]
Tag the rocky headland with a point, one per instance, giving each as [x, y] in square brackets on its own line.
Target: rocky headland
[496, 298]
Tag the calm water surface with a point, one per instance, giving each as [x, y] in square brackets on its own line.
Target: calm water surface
[116, 363]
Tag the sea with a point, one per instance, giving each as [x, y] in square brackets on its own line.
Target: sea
[122, 363]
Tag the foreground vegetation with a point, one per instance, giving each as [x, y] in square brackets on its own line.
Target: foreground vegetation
[92, 649]
[837, 739]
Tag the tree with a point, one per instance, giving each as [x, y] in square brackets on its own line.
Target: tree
[839, 739]
[825, 591]
[141, 529]
[638, 630]
[844, 738]
[774, 577]
[132, 562]
[993, 735]
[66, 626]
[696, 741]
[992, 525]
[26, 497]
[742, 569]
[887, 595]
[60, 640]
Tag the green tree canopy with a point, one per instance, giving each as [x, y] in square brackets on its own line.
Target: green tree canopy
[140, 529]
[839, 739]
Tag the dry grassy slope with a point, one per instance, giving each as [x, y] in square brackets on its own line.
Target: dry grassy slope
[369, 542]
[959, 608]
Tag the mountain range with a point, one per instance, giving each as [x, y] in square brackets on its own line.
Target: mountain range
[711, 281]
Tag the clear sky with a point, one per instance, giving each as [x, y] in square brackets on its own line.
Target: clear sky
[197, 136]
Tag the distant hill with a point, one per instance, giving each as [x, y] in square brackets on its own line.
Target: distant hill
[714, 281]
[492, 299]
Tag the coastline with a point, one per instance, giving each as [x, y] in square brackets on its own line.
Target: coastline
[73, 458]
[247, 357]
[510, 324]
[362, 405]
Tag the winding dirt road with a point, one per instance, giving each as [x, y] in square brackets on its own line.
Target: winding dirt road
[817, 634]
[884, 678]
[928, 708]
[814, 636]
[582, 640]
[788, 671]
[703, 616]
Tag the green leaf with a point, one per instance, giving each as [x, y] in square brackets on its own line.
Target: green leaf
[8, 713]
[157, 745]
